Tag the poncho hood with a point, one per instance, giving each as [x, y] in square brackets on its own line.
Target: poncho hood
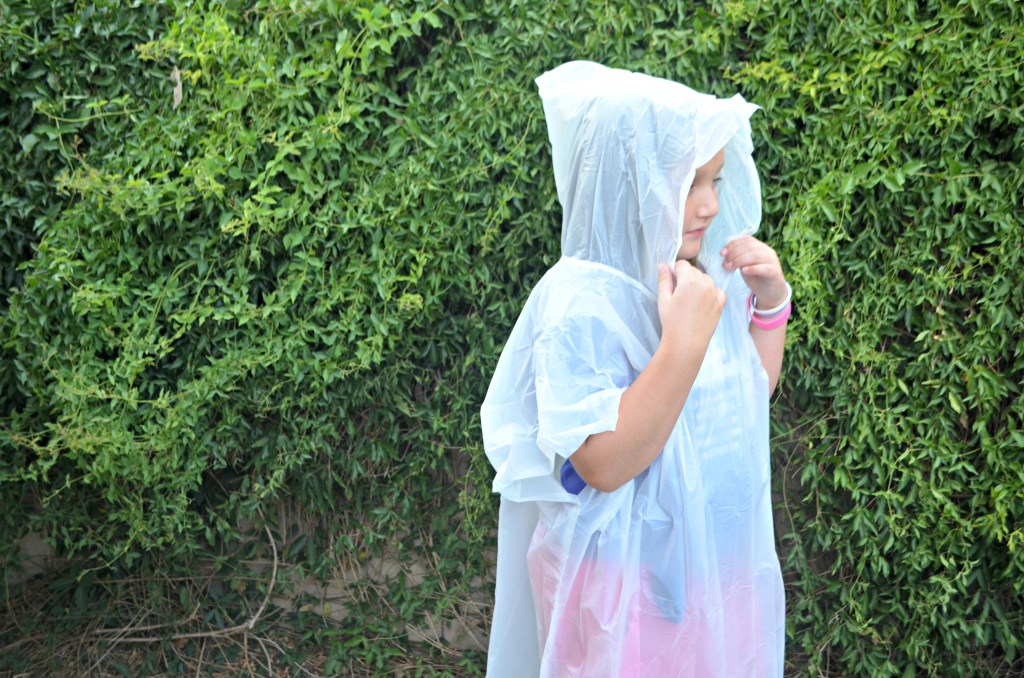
[625, 147]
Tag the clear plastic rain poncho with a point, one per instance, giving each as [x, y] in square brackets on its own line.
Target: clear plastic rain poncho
[675, 573]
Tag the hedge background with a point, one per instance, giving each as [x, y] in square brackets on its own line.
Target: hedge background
[274, 308]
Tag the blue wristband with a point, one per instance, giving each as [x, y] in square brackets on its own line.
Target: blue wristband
[571, 480]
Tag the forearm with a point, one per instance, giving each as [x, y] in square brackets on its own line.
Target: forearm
[648, 412]
[762, 271]
[770, 346]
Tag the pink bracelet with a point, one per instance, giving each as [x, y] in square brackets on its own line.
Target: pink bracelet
[771, 324]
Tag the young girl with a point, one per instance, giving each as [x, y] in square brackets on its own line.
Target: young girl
[627, 419]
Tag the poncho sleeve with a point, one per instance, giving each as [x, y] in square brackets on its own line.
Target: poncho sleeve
[581, 371]
[568, 388]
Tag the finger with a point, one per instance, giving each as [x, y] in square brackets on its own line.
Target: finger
[749, 258]
[740, 244]
[691, 277]
[665, 282]
[684, 271]
[734, 253]
[760, 270]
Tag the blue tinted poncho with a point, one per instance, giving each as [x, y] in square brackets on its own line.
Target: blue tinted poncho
[675, 573]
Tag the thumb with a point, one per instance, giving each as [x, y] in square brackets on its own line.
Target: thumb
[665, 281]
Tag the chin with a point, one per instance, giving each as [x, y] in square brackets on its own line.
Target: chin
[688, 252]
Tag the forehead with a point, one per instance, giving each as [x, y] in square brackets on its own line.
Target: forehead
[714, 165]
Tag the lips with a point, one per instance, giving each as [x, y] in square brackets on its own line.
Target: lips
[695, 233]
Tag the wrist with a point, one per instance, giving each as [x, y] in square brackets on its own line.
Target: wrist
[773, 317]
[775, 322]
[680, 349]
[768, 303]
[773, 300]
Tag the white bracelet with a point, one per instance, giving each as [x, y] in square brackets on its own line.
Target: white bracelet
[778, 309]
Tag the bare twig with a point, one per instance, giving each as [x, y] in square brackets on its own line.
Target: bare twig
[266, 653]
[199, 663]
[149, 627]
[29, 639]
[214, 633]
[280, 649]
[110, 649]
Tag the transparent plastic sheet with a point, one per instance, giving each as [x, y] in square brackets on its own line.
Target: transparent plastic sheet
[675, 573]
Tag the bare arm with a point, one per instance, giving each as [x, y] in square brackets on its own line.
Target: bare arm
[689, 306]
[761, 270]
[770, 346]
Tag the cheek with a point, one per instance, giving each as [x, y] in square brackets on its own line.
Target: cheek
[689, 206]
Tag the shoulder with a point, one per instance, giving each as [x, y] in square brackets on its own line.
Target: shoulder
[581, 294]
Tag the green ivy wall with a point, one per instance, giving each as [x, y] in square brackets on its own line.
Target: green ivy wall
[293, 286]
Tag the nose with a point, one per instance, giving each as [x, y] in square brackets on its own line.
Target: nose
[707, 205]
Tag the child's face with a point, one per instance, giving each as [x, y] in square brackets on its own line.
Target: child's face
[701, 205]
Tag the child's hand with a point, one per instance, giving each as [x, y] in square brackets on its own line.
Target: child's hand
[760, 268]
[689, 305]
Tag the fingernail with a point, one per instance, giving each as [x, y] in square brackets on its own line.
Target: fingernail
[722, 252]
